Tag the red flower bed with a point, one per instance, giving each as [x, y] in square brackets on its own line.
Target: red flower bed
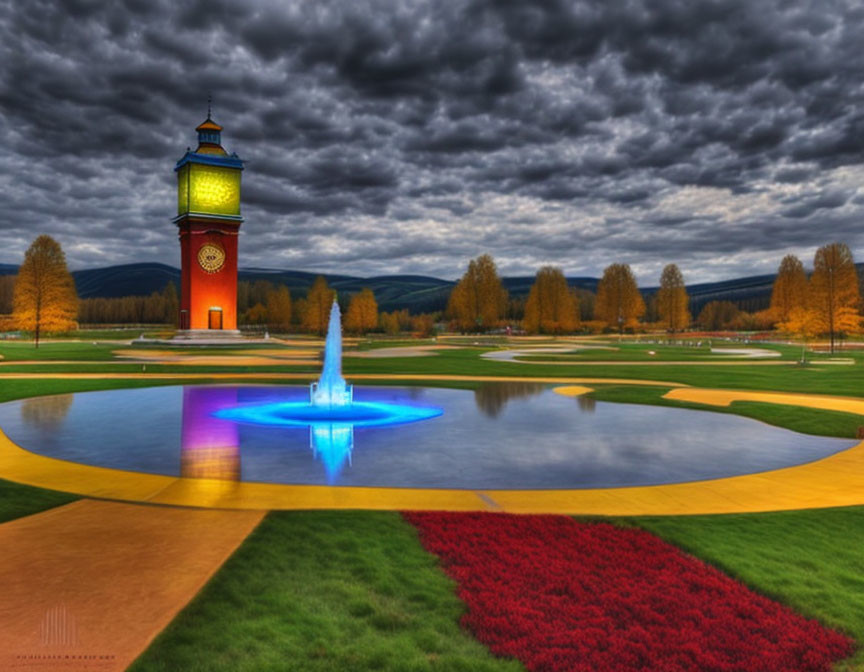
[561, 595]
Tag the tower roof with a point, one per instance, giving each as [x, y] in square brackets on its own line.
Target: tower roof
[209, 137]
[208, 125]
[210, 150]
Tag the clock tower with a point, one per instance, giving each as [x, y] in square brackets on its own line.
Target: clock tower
[208, 222]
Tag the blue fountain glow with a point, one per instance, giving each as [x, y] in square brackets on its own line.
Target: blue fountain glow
[331, 414]
[300, 414]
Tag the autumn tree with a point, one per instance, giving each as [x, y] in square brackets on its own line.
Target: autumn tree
[362, 315]
[586, 304]
[479, 300]
[802, 322]
[717, 315]
[7, 286]
[404, 318]
[423, 324]
[279, 309]
[552, 307]
[790, 288]
[390, 322]
[672, 300]
[833, 294]
[618, 303]
[257, 314]
[171, 307]
[44, 298]
[319, 302]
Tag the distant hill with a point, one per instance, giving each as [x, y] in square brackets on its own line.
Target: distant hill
[126, 280]
[418, 293]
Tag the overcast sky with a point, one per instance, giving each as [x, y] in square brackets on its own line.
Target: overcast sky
[407, 137]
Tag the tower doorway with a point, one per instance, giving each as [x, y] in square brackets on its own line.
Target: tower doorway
[214, 320]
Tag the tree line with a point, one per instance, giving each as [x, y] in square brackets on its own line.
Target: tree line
[479, 301]
[826, 301]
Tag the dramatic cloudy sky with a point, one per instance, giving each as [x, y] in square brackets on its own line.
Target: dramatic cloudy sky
[407, 136]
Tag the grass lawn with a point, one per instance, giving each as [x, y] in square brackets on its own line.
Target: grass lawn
[815, 378]
[327, 591]
[17, 501]
[55, 350]
[796, 418]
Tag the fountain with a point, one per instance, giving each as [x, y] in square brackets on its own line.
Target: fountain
[332, 413]
[331, 388]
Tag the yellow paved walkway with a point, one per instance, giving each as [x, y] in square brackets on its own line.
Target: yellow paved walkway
[87, 586]
[837, 480]
[726, 397]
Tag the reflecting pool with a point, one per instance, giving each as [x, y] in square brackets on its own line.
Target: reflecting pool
[499, 436]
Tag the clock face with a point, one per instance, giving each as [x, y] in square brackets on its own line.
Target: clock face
[211, 257]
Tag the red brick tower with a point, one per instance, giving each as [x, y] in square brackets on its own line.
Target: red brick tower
[208, 221]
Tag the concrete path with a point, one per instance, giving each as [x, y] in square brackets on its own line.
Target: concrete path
[514, 357]
[87, 586]
[403, 351]
[752, 353]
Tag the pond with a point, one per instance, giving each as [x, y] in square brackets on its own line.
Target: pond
[500, 436]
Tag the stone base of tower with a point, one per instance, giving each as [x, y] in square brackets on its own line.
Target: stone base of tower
[220, 335]
[186, 338]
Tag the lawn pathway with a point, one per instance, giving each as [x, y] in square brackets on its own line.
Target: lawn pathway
[88, 585]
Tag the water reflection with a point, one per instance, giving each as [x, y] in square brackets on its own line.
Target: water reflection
[586, 404]
[333, 444]
[209, 447]
[491, 398]
[46, 413]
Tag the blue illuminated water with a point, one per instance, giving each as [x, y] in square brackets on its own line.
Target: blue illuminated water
[303, 414]
[331, 390]
[332, 414]
[498, 437]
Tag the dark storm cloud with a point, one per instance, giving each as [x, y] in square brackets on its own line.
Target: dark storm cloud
[391, 136]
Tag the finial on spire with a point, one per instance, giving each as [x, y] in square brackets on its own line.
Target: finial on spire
[209, 102]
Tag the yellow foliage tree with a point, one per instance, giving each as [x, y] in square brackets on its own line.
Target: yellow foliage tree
[44, 298]
[362, 315]
[423, 324]
[478, 301]
[552, 307]
[834, 295]
[279, 309]
[170, 304]
[717, 315]
[619, 303]
[390, 323]
[802, 322]
[790, 288]
[257, 314]
[672, 300]
[319, 302]
[7, 287]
